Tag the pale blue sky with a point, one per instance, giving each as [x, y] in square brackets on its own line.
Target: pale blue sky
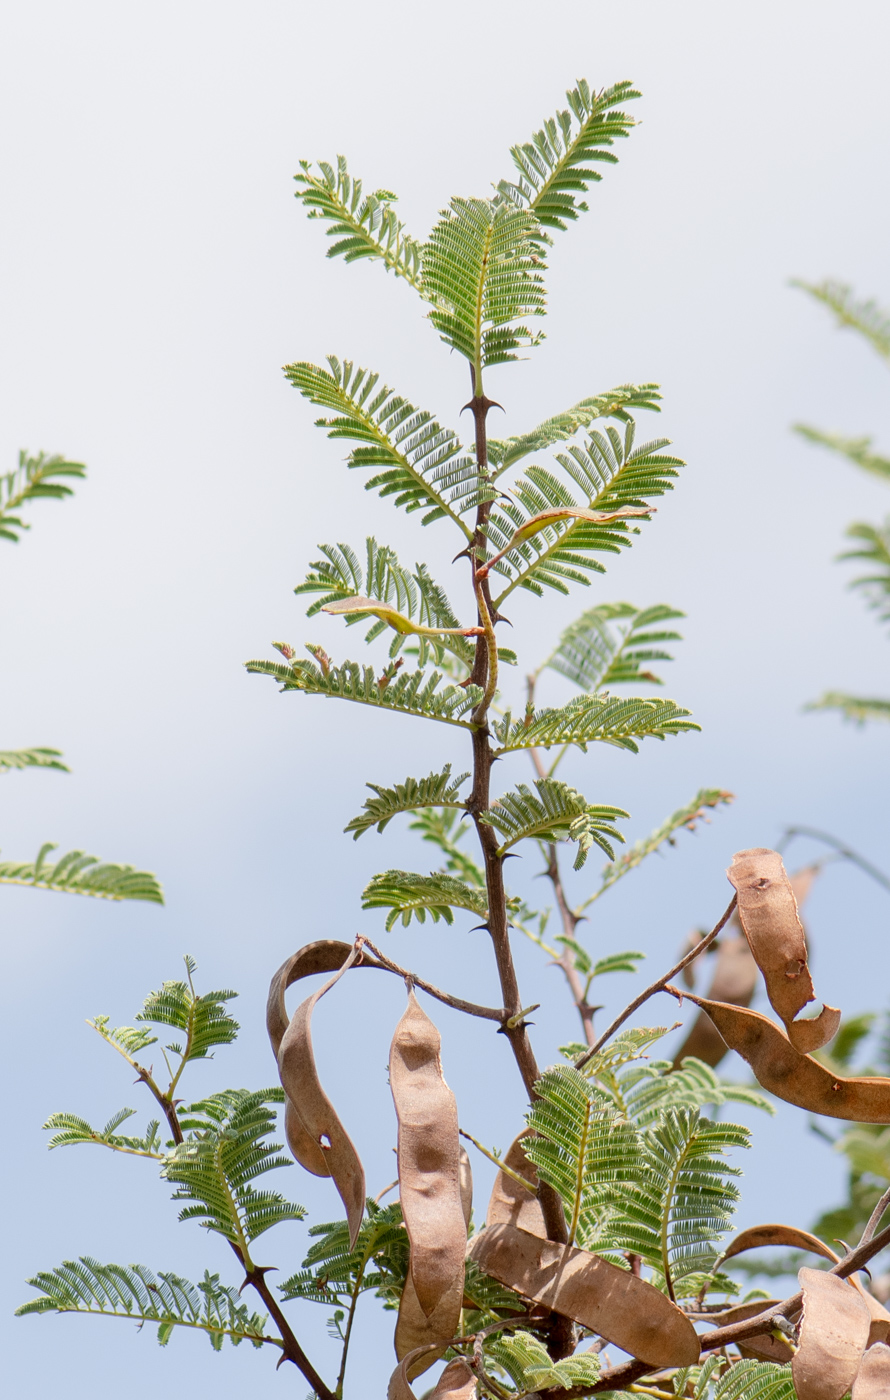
[158, 273]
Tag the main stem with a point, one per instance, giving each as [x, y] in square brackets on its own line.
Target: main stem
[561, 1339]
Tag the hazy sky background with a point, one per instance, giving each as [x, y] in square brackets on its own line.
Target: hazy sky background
[157, 275]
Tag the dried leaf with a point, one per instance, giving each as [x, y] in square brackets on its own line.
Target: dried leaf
[833, 1333]
[456, 1382]
[428, 1157]
[315, 1134]
[556, 513]
[767, 909]
[873, 1378]
[759, 1235]
[510, 1203]
[610, 1301]
[391, 616]
[794, 1077]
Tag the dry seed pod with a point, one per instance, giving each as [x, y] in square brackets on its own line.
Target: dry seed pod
[759, 1235]
[510, 1203]
[873, 1378]
[428, 1156]
[767, 910]
[465, 1176]
[314, 1110]
[794, 1077]
[610, 1301]
[879, 1331]
[833, 1333]
[326, 955]
[456, 1382]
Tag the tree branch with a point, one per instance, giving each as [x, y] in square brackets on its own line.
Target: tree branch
[660, 985]
[488, 1013]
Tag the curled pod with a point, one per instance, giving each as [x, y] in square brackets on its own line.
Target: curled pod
[610, 1301]
[767, 910]
[456, 1382]
[794, 1077]
[315, 1134]
[834, 1329]
[428, 1158]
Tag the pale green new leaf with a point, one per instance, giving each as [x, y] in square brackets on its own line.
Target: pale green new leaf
[875, 551]
[855, 449]
[364, 225]
[408, 692]
[438, 790]
[444, 829]
[612, 475]
[224, 1152]
[525, 1359]
[592, 719]
[643, 1091]
[78, 873]
[554, 812]
[423, 464]
[203, 1019]
[16, 759]
[617, 403]
[134, 1292]
[857, 709]
[866, 317]
[37, 478]
[612, 643]
[756, 1380]
[410, 896]
[482, 271]
[686, 818]
[70, 1130]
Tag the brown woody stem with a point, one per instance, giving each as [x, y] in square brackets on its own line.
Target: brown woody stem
[660, 985]
[488, 1013]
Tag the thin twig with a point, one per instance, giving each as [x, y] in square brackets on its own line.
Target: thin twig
[874, 1219]
[488, 1013]
[843, 850]
[501, 1166]
[660, 985]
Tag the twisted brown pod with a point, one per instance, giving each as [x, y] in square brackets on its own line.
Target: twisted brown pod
[873, 1378]
[833, 1334]
[580, 1285]
[794, 1077]
[760, 1235]
[456, 1382]
[768, 914]
[315, 1134]
[510, 1203]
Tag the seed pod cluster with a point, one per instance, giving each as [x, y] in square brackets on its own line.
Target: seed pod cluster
[432, 1173]
[767, 911]
[315, 1135]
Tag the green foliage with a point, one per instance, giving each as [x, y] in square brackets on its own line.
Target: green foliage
[610, 474]
[334, 1273]
[617, 403]
[134, 1292]
[687, 818]
[418, 693]
[590, 719]
[642, 1091]
[445, 830]
[875, 551]
[424, 465]
[203, 1019]
[855, 449]
[482, 272]
[72, 1130]
[78, 873]
[558, 163]
[756, 1380]
[364, 225]
[527, 1362]
[554, 812]
[866, 317]
[411, 896]
[611, 643]
[37, 478]
[16, 759]
[223, 1154]
[438, 790]
[855, 708]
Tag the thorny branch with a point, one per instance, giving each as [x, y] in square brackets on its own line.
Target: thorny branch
[660, 985]
[488, 1013]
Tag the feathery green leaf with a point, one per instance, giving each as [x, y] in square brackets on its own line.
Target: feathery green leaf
[855, 449]
[506, 452]
[756, 1380]
[71, 1130]
[686, 818]
[11, 759]
[525, 1359]
[558, 164]
[364, 225]
[410, 896]
[875, 550]
[556, 812]
[438, 790]
[590, 719]
[37, 478]
[866, 317]
[78, 873]
[856, 709]
[332, 1272]
[611, 643]
[132, 1291]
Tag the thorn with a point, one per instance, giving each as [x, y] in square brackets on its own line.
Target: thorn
[464, 554]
